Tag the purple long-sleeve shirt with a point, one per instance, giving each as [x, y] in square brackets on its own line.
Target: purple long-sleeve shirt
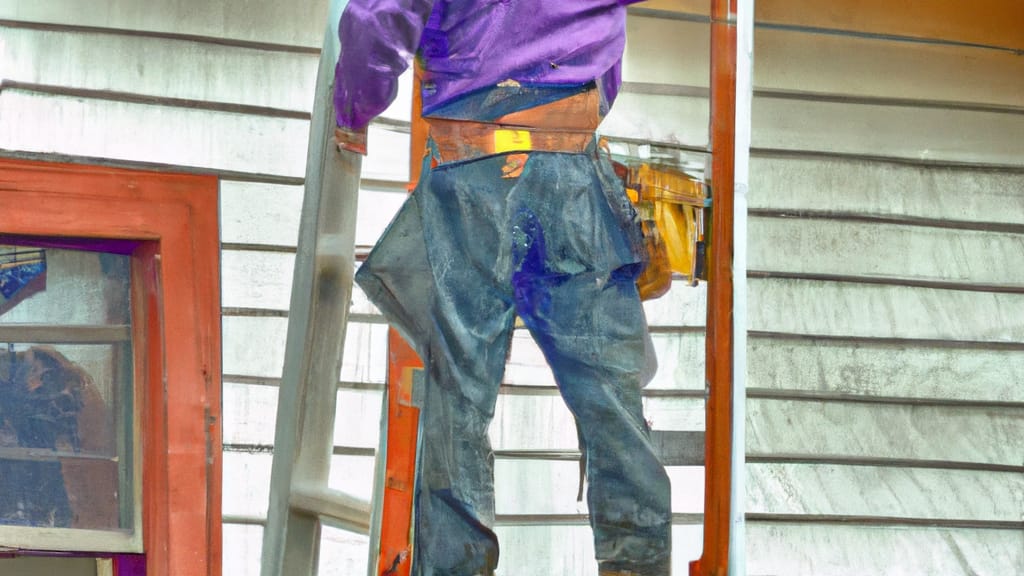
[470, 45]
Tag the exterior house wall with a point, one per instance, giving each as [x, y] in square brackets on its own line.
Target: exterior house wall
[885, 249]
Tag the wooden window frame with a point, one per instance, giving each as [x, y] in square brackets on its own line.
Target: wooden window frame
[170, 224]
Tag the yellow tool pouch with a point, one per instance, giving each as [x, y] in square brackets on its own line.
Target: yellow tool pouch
[671, 208]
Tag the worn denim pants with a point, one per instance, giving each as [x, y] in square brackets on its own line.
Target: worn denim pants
[560, 247]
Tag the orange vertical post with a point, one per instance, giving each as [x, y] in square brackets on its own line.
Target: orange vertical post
[403, 418]
[719, 346]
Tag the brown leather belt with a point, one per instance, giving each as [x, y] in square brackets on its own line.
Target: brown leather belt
[458, 140]
[565, 125]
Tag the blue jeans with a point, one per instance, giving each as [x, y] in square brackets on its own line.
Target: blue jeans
[560, 247]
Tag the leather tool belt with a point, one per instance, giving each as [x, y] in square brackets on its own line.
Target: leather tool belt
[458, 140]
[566, 125]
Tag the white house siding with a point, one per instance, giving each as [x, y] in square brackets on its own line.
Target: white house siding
[886, 303]
[886, 297]
[886, 308]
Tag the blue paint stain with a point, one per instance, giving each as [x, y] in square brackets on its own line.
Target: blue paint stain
[16, 277]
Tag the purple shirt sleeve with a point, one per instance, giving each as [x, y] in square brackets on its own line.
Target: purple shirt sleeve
[378, 41]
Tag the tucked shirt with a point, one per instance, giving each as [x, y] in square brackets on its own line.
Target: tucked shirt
[470, 46]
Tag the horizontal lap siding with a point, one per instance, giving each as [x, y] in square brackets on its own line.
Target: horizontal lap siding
[886, 352]
[867, 310]
[833, 550]
[885, 369]
[226, 87]
[864, 430]
[881, 250]
[885, 492]
[295, 25]
[161, 68]
[957, 196]
[934, 134]
[204, 140]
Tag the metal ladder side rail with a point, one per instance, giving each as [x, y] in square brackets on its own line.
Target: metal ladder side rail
[300, 500]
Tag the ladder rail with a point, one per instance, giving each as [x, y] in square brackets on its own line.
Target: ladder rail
[300, 500]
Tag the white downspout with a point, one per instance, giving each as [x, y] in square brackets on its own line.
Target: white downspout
[744, 96]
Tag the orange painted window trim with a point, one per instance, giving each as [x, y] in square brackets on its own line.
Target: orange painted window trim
[176, 293]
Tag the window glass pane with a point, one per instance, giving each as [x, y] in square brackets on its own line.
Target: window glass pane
[66, 440]
[47, 286]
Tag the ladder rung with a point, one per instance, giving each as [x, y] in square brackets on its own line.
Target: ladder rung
[334, 507]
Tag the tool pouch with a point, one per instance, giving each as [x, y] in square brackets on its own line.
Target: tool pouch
[670, 204]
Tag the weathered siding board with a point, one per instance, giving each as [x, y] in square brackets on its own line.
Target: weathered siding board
[250, 473]
[953, 433]
[208, 139]
[353, 475]
[680, 362]
[649, 40]
[890, 189]
[365, 359]
[836, 550]
[342, 552]
[257, 213]
[259, 216]
[160, 67]
[249, 493]
[257, 349]
[358, 429]
[877, 250]
[298, 24]
[881, 491]
[256, 279]
[389, 155]
[242, 546]
[682, 306]
[241, 402]
[883, 311]
[863, 67]
[887, 130]
[359, 425]
[253, 346]
[884, 369]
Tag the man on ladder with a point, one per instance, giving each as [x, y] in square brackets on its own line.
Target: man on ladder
[516, 213]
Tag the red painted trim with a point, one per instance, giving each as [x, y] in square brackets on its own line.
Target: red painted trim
[719, 344]
[400, 469]
[176, 287]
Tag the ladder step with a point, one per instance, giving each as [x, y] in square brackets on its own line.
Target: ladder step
[335, 508]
